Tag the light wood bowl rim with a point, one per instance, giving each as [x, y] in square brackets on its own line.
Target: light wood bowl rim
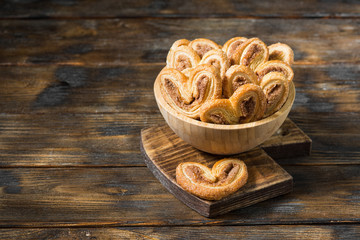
[161, 101]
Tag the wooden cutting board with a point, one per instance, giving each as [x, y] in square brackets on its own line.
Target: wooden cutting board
[164, 150]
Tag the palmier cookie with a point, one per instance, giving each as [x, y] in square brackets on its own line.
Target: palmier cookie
[226, 177]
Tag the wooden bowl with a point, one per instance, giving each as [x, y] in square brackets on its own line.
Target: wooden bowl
[222, 139]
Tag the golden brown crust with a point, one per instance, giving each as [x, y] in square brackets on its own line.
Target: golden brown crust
[251, 53]
[186, 95]
[200, 72]
[276, 89]
[231, 46]
[182, 58]
[180, 42]
[203, 45]
[218, 111]
[274, 66]
[226, 177]
[236, 76]
[249, 102]
[218, 59]
[282, 52]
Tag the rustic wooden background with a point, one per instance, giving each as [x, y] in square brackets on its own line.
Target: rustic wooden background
[76, 89]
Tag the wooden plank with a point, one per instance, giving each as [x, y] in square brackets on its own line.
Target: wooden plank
[51, 197]
[73, 139]
[289, 141]
[139, 41]
[163, 151]
[98, 140]
[275, 232]
[207, 8]
[117, 89]
[78, 89]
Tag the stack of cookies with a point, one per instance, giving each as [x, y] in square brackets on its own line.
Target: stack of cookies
[242, 81]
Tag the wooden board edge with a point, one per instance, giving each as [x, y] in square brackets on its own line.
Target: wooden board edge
[279, 188]
[273, 191]
[195, 203]
[298, 150]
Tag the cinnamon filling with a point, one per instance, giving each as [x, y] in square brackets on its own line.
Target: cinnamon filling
[174, 93]
[276, 55]
[233, 47]
[273, 94]
[229, 172]
[201, 86]
[182, 62]
[247, 106]
[197, 174]
[201, 49]
[238, 81]
[218, 118]
[265, 71]
[251, 54]
[215, 63]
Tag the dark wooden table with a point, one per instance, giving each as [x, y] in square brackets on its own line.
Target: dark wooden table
[76, 89]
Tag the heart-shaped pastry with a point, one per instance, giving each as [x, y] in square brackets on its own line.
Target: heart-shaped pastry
[252, 53]
[247, 104]
[282, 52]
[226, 177]
[186, 95]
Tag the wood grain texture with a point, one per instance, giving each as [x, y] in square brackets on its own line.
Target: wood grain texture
[288, 141]
[76, 89]
[116, 89]
[51, 197]
[72, 139]
[163, 151]
[141, 41]
[98, 140]
[194, 8]
[273, 232]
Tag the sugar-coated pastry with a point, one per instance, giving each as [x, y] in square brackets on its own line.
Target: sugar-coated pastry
[218, 59]
[218, 111]
[180, 42]
[251, 53]
[276, 89]
[231, 46]
[274, 66]
[203, 45]
[226, 177]
[186, 95]
[236, 76]
[182, 57]
[282, 52]
[249, 102]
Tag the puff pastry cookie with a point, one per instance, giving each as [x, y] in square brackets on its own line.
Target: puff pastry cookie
[186, 95]
[182, 57]
[226, 177]
[276, 88]
[218, 59]
[236, 76]
[282, 52]
[247, 104]
[274, 66]
[232, 46]
[203, 45]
